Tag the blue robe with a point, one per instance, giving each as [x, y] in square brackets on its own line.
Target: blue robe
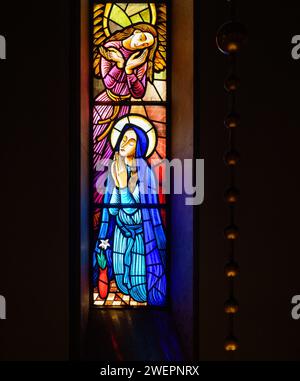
[136, 258]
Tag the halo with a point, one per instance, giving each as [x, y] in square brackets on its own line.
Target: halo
[140, 122]
[124, 17]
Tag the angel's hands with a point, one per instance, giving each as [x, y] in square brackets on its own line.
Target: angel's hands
[136, 60]
[112, 54]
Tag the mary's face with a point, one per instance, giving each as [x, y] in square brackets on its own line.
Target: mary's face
[128, 144]
[141, 40]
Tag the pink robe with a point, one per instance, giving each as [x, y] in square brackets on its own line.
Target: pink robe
[119, 83]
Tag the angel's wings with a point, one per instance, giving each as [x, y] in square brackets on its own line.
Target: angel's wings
[160, 61]
[99, 38]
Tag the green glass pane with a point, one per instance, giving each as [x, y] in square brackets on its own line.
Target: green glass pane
[145, 15]
[162, 75]
[98, 87]
[119, 17]
[136, 19]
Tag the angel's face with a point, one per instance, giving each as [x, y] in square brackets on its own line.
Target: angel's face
[128, 144]
[141, 40]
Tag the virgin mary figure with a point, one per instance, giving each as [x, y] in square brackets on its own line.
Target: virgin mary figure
[131, 244]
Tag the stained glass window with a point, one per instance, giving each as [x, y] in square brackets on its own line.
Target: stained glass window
[129, 134]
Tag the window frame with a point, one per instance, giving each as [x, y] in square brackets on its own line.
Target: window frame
[167, 205]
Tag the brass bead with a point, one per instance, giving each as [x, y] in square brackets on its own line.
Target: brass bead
[231, 83]
[231, 232]
[231, 344]
[232, 158]
[231, 306]
[231, 269]
[230, 37]
[231, 195]
[232, 120]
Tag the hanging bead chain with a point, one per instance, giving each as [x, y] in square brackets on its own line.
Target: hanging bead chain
[230, 38]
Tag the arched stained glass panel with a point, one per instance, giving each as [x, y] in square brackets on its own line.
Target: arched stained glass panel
[129, 143]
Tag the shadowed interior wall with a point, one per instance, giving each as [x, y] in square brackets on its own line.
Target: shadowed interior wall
[84, 165]
[34, 165]
[268, 178]
[182, 287]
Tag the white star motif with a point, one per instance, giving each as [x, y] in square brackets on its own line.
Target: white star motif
[104, 244]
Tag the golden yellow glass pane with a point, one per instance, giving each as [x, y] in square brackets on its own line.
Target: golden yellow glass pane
[97, 20]
[98, 35]
[138, 110]
[107, 9]
[153, 13]
[98, 8]
[122, 5]
[106, 31]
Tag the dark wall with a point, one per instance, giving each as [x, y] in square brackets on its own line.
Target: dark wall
[34, 112]
[268, 215]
